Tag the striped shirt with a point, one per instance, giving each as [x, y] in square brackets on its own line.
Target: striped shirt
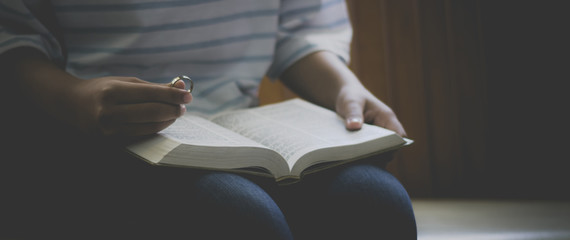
[225, 46]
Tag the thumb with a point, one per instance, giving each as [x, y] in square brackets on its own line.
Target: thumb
[179, 84]
[351, 111]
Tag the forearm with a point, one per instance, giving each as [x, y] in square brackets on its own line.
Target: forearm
[320, 77]
[38, 81]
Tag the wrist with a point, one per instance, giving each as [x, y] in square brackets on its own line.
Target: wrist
[320, 78]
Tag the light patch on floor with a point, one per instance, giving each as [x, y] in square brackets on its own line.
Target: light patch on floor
[492, 220]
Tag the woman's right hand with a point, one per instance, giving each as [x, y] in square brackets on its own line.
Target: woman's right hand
[107, 106]
[125, 106]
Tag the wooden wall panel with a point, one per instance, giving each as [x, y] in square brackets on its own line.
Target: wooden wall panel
[453, 68]
[391, 63]
[441, 95]
[467, 72]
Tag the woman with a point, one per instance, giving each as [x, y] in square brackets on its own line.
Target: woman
[101, 68]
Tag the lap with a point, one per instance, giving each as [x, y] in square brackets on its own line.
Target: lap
[356, 200]
[86, 179]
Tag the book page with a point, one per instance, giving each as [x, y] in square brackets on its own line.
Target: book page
[194, 130]
[193, 141]
[294, 128]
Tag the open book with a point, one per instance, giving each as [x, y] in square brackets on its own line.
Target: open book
[284, 140]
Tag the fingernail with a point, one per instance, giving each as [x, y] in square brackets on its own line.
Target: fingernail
[182, 109]
[353, 120]
[354, 123]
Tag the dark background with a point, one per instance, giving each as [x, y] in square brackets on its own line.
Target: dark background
[526, 56]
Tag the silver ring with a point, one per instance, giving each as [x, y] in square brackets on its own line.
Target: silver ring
[184, 79]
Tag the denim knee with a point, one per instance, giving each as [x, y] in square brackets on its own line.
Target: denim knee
[229, 205]
[369, 201]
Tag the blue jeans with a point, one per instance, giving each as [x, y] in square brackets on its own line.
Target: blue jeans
[361, 201]
[93, 194]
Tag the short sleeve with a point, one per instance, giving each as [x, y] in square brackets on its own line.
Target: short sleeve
[307, 26]
[20, 26]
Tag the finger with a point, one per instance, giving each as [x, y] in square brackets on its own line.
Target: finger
[178, 84]
[141, 129]
[397, 127]
[389, 122]
[351, 111]
[130, 79]
[130, 92]
[143, 113]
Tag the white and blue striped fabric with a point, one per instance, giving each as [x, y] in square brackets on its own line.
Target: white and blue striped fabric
[225, 46]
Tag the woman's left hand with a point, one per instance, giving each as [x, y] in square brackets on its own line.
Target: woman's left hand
[357, 106]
